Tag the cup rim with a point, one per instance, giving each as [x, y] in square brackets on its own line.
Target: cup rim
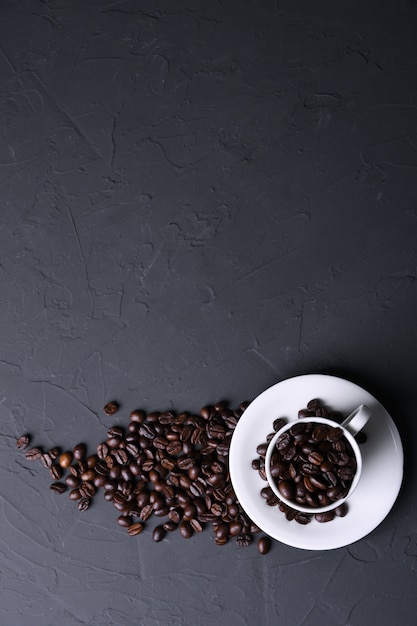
[294, 505]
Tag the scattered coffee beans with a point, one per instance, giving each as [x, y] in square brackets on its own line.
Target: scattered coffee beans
[163, 464]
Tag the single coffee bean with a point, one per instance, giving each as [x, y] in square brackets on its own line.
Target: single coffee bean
[244, 540]
[196, 525]
[115, 431]
[314, 404]
[34, 454]
[159, 533]
[138, 416]
[84, 504]
[65, 459]
[124, 520]
[88, 475]
[72, 481]
[111, 408]
[56, 472]
[278, 424]
[79, 451]
[316, 458]
[23, 442]
[58, 488]
[135, 529]
[74, 494]
[327, 516]
[46, 459]
[341, 510]
[287, 489]
[186, 529]
[264, 545]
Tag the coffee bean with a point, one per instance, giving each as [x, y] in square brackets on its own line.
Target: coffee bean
[244, 540]
[186, 529]
[159, 533]
[84, 504]
[46, 459]
[34, 454]
[111, 408]
[22, 442]
[58, 488]
[328, 516]
[341, 510]
[264, 545]
[65, 459]
[135, 529]
[124, 520]
[79, 451]
[287, 489]
[56, 472]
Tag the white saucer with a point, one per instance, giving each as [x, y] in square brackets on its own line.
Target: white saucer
[382, 462]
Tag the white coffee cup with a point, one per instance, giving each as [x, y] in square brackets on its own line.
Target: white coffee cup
[350, 427]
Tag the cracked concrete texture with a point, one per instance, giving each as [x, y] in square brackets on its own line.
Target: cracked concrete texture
[197, 200]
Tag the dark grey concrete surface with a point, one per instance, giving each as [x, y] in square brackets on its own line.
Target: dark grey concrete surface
[198, 199]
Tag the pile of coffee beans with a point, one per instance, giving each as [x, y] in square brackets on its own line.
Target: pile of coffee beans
[165, 465]
[314, 465]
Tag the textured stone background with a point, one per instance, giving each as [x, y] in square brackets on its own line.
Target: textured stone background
[199, 198]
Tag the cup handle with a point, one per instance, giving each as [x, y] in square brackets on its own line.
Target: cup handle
[357, 419]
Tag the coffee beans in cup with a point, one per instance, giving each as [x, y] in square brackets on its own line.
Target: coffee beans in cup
[313, 466]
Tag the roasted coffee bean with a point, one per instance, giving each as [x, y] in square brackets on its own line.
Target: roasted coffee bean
[186, 529]
[303, 518]
[72, 481]
[121, 456]
[319, 481]
[46, 459]
[287, 489]
[196, 525]
[319, 432]
[283, 441]
[79, 451]
[264, 545]
[327, 516]
[115, 431]
[65, 459]
[83, 504]
[316, 458]
[34, 454]
[88, 475]
[159, 533]
[87, 489]
[244, 540]
[56, 472]
[111, 408]
[124, 520]
[138, 416]
[23, 442]
[341, 510]
[278, 424]
[305, 413]
[135, 529]
[314, 404]
[74, 494]
[58, 488]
